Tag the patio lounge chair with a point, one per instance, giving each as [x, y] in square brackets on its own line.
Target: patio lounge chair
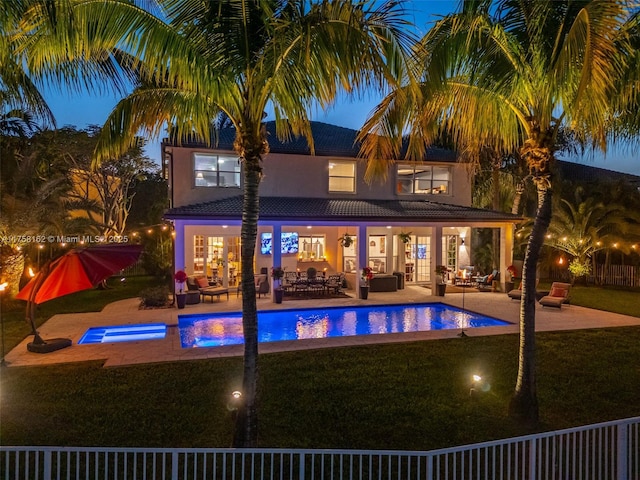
[558, 295]
[516, 293]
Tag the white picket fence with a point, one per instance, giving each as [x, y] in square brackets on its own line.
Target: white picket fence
[606, 451]
[621, 275]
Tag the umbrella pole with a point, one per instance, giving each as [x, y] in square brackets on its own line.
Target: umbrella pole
[31, 305]
[31, 314]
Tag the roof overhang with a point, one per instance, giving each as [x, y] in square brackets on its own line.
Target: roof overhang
[278, 209]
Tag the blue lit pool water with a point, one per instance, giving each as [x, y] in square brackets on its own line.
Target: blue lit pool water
[124, 333]
[217, 329]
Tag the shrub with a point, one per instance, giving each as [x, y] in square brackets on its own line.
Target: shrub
[579, 269]
[154, 297]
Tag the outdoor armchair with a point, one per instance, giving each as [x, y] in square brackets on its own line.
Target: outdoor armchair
[487, 280]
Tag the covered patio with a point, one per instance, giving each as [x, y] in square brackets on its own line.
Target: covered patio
[410, 237]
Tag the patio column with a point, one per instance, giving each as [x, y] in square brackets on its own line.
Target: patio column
[363, 245]
[436, 250]
[506, 252]
[277, 254]
[178, 247]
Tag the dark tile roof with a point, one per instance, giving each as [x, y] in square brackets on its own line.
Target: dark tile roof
[320, 209]
[329, 140]
[586, 173]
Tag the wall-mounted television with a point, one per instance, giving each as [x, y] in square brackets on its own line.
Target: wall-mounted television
[288, 243]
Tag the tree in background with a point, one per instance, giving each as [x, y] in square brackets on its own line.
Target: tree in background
[105, 190]
[511, 75]
[49, 188]
[150, 201]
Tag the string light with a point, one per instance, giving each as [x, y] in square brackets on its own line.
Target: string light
[561, 240]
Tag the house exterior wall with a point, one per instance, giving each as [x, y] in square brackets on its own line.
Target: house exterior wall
[287, 175]
[435, 240]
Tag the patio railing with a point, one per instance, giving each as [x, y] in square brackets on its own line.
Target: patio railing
[605, 451]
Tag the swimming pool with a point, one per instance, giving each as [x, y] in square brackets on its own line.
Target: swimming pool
[124, 333]
[217, 329]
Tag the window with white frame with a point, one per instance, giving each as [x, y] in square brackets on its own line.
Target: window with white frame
[211, 170]
[342, 176]
[198, 254]
[423, 179]
[311, 247]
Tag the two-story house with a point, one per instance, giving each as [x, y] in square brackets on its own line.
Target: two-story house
[309, 202]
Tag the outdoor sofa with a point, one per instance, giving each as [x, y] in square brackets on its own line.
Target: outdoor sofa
[383, 283]
[199, 286]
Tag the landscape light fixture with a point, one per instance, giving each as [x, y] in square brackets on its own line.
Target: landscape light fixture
[234, 403]
[478, 385]
[475, 383]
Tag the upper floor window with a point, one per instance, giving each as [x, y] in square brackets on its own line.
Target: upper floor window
[215, 170]
[342, 176]
[423, 179]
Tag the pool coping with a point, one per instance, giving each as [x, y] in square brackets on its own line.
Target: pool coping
[169, 349]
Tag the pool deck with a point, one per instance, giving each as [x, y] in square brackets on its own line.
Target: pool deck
[123, 312]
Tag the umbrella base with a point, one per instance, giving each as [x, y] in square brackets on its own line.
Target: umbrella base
[49, 345]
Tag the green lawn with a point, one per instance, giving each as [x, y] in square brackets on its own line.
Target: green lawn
[401, 396]
[611, 299]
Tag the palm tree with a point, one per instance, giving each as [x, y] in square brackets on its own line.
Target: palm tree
[586, 226]
[511, 74]
[18, 93]
[199, 61]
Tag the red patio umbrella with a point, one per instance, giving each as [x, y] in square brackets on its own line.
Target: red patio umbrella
[79, 269]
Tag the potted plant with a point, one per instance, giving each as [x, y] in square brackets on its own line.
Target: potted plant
[405, 237]
[277, 273]
[180, 278]
[440, 285]
[365, 278]
[346, 240]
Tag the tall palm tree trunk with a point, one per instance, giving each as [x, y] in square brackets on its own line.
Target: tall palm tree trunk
[496, 163]
[524, 404]
[515, 209]
[250, 148]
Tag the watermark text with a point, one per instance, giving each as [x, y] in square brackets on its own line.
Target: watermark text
[63, 239]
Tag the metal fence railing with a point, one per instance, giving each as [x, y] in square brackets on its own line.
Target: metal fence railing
[619, 275]
[605, 451]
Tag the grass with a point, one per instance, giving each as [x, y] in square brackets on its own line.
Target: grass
[611, 299]
[411, 396]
